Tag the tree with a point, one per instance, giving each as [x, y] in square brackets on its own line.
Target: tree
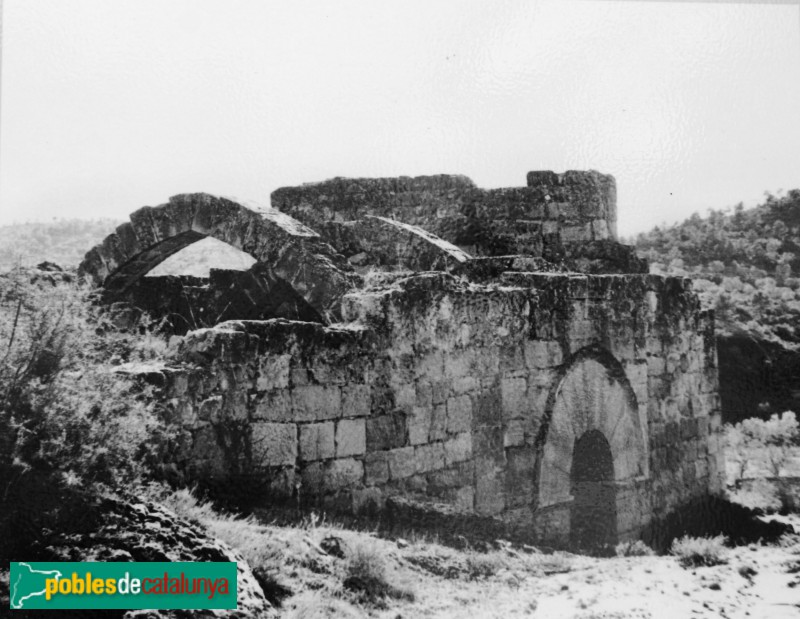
[776, 438]
[739, 445]
[738, 215]
[779, 229]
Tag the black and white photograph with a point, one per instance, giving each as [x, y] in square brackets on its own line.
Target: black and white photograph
[365, 309]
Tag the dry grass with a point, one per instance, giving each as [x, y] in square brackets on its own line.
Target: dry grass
[375, 577]
[634, 549]
[757, 494]
[266, 555]
[368, 574]
[485, 565]
[251, 539]
[700, 551]
[546, 564]
[319, 606]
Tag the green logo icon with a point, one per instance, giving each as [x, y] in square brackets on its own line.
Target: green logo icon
[180, 585]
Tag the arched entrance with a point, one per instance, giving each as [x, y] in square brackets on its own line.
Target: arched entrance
[593, 516]
[592, 458]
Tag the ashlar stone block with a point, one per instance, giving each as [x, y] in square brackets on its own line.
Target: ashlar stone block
[402, 463]
[316, 402]
[274, 444]
[376, 468]
[274, 406]
[513, 394]
[317, 441]
[419, 425]
[351, 437]
[273, 372]
[458, 449]
[459, 414]
[356, 400]
[344, 473]
[429, 457]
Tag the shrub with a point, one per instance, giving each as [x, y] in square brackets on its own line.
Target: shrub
[484, 565]
[758, 494]
[699, 551]
[634, 549]
[64, 407]
[773, 439]
[556, 563]
[368, 574]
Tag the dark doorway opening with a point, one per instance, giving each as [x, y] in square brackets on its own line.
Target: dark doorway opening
[593, 518]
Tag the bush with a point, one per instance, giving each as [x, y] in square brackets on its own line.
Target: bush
[634, 549]
[484, 565]
[758, 494]
[367, 574]
[64, 406]
[699, 551]
[772, 440]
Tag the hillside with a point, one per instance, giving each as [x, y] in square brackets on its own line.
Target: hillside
[745, 264]
[63, 241]
[66, 241]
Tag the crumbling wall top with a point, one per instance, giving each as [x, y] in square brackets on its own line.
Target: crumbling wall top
[552, 210]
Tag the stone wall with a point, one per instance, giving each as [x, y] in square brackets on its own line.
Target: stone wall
[291, 252]
[491, 383]
[188, 302]
[551, 211]
[463, 394]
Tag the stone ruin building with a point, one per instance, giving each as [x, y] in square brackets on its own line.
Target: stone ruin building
[424, 343]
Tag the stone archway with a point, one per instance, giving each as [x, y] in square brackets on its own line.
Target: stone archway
[292, 252]
[591, 445]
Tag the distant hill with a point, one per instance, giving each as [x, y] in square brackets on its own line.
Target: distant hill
[66, 241]
[745, 264]
[63, 241]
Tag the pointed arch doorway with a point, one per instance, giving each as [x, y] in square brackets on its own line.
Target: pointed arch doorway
[592, 463]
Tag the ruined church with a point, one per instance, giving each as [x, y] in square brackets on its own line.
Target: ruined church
[486, 353]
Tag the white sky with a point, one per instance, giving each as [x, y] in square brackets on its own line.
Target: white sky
[109, 105]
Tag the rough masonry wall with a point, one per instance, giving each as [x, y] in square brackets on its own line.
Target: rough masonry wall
[462, 394]
[188, 302]
[379, 242]
[293, 253]
[554, 209]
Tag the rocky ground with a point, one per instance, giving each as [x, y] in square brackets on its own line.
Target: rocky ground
[756, 581]
[312, 569]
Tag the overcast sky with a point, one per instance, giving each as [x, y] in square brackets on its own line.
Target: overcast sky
[107, 106]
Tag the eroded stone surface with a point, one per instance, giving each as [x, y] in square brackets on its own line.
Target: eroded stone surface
[552, 210]
[388, 243]
[477, 384]
[291, 252]
[447, 391]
